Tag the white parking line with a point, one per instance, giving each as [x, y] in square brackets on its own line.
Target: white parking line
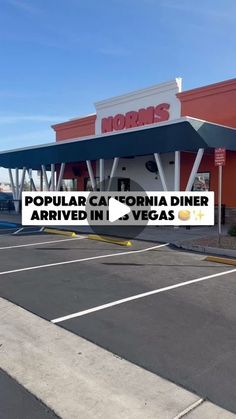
[190, 408]
[35, 244]
[67, 262]
[21, 230]
[18, 231]
[138, 296]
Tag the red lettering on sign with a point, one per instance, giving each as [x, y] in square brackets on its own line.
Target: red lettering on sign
[119, 122]
[146, 116]
[138, 118]
[131, 119]
[161, 112]
[107, 124]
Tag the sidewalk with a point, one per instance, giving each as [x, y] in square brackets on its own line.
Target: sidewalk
[178, 235]
[186, 239]
[196, 239]
[76, 378]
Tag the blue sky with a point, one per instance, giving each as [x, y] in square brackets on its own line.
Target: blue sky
[58, 57]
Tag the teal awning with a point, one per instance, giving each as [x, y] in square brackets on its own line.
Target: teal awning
[184, 134]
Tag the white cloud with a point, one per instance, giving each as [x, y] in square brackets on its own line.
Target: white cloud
[25, 6]
[223, 11]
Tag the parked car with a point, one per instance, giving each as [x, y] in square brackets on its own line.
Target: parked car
[6, 201]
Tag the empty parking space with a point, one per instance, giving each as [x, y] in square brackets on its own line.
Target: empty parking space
[70, 284]
[184, 333]
[77, 275]
[38, 251]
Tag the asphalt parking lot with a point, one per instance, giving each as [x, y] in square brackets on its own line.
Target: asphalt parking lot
[17, 402]
[171, 312]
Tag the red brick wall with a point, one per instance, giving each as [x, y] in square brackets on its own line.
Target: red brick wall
[81, 127]
[214, 103]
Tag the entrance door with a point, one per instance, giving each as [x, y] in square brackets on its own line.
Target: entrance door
[123, 184]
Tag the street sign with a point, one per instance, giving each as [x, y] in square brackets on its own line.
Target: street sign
[220, 156]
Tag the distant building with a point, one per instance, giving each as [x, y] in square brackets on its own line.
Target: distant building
[5, 187]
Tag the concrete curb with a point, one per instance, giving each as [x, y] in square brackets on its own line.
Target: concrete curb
[110, 239]
[205, 249]
[60, 232]
[219, 259]
[78, 379]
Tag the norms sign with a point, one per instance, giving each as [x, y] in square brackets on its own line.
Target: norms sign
[132, 119]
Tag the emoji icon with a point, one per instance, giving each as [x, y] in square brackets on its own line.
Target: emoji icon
[199, 215]
[184, 215]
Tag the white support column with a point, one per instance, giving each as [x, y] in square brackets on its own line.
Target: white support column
[32, 184]
[17, 182]
[21, 186]
[91, 175]
[29, 171]
[16, 203]
[41, 180]
[195, 168]
[45, 178]
[101, 174]
[161, 171]
[177, 171]
[60, 177]
[52, 186]
[113, 170]
[12, 183]
[18, 188]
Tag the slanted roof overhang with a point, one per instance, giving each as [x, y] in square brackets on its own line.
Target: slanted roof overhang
[183, 134]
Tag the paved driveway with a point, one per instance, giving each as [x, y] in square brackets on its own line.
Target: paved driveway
[170, 312]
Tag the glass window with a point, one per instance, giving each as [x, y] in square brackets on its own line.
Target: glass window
[202, 182]
[69, 185]
[123, 184]
[88, 184]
